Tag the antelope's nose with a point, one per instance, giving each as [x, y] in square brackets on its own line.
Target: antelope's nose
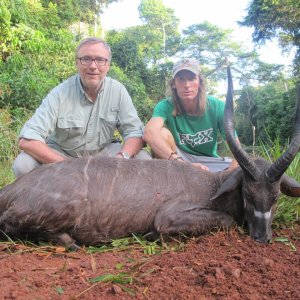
[262, 239]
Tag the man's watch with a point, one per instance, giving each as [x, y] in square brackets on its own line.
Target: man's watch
[124, 154]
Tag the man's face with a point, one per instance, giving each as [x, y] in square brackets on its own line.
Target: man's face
[92, 74]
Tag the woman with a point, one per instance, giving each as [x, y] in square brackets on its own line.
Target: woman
[185, 126]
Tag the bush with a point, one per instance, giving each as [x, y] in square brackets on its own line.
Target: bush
[136, 90]
[288, 208]
[11, 122]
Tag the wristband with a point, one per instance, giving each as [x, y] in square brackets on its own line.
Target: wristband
[124, 154]
[171, 155]
[179, 158]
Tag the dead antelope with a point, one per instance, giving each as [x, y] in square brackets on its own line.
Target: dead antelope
[91, 200]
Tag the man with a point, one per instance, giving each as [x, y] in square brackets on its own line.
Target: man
[79, 116]
[185, 126]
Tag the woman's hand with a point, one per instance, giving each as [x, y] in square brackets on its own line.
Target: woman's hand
[201, 166]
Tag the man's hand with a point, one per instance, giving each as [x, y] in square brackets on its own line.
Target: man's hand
[123, 154]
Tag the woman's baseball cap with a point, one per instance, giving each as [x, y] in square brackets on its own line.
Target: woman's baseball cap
[189, 64]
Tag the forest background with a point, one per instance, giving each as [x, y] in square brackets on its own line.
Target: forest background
[38, 38]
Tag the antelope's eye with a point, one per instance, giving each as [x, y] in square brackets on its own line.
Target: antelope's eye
[248, 199]
[275, 198]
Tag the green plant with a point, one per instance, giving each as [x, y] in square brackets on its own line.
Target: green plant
[288, 209]
[120, 279]
[136, 241]
[11, 121]
[149, 247]
[286, 242]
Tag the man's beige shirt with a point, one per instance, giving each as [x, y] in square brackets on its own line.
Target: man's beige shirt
[68, 122]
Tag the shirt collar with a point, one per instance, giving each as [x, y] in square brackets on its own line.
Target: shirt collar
[84, 95]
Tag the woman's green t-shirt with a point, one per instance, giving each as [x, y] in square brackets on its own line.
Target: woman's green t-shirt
[194, 134]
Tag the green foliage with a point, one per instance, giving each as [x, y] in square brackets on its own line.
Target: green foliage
[23, 27]
[155, 13]
[286, 242]
[150, 248]
[161, 30]
[10, 123]
[34, 76]
[120, 279]
[136, 241]
[288, 209]
[275, 19]
[35, 54]
[37, 47]
[208, 43]
[128, 51]
[136, 89]
[59, 290]
[136, 52]
[71, 11]
[270, 109]
[132, 65]
[6, 174]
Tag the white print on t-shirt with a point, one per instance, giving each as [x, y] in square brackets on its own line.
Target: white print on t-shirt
[199, 138]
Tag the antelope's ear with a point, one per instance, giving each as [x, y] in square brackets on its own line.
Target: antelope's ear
[231, 183]
[289, 186]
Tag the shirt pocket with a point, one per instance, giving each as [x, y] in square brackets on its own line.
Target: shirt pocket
[108, 124]
[70, 132]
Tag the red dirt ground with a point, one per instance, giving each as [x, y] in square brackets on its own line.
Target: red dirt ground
[224, 265]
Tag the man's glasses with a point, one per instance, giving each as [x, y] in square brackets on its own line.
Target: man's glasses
[87, 61]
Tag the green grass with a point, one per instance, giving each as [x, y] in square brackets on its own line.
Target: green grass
[6, 174]
[140, 243]
[11, 122]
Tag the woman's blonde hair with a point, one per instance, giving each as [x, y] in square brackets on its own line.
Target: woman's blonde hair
[201, 100]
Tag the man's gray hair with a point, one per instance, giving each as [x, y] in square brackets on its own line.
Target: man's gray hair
[93, 40]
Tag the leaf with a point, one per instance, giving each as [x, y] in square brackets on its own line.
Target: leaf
[281, 239]
[119, 266]
[128, 290]
[102, 278]
[120, 278]
[59, 290]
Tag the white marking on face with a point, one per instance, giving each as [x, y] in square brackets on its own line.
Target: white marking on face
[261, 215]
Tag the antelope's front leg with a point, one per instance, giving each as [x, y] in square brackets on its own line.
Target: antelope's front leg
[190, 219]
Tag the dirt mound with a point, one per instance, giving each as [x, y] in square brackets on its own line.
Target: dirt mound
[225, 265]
